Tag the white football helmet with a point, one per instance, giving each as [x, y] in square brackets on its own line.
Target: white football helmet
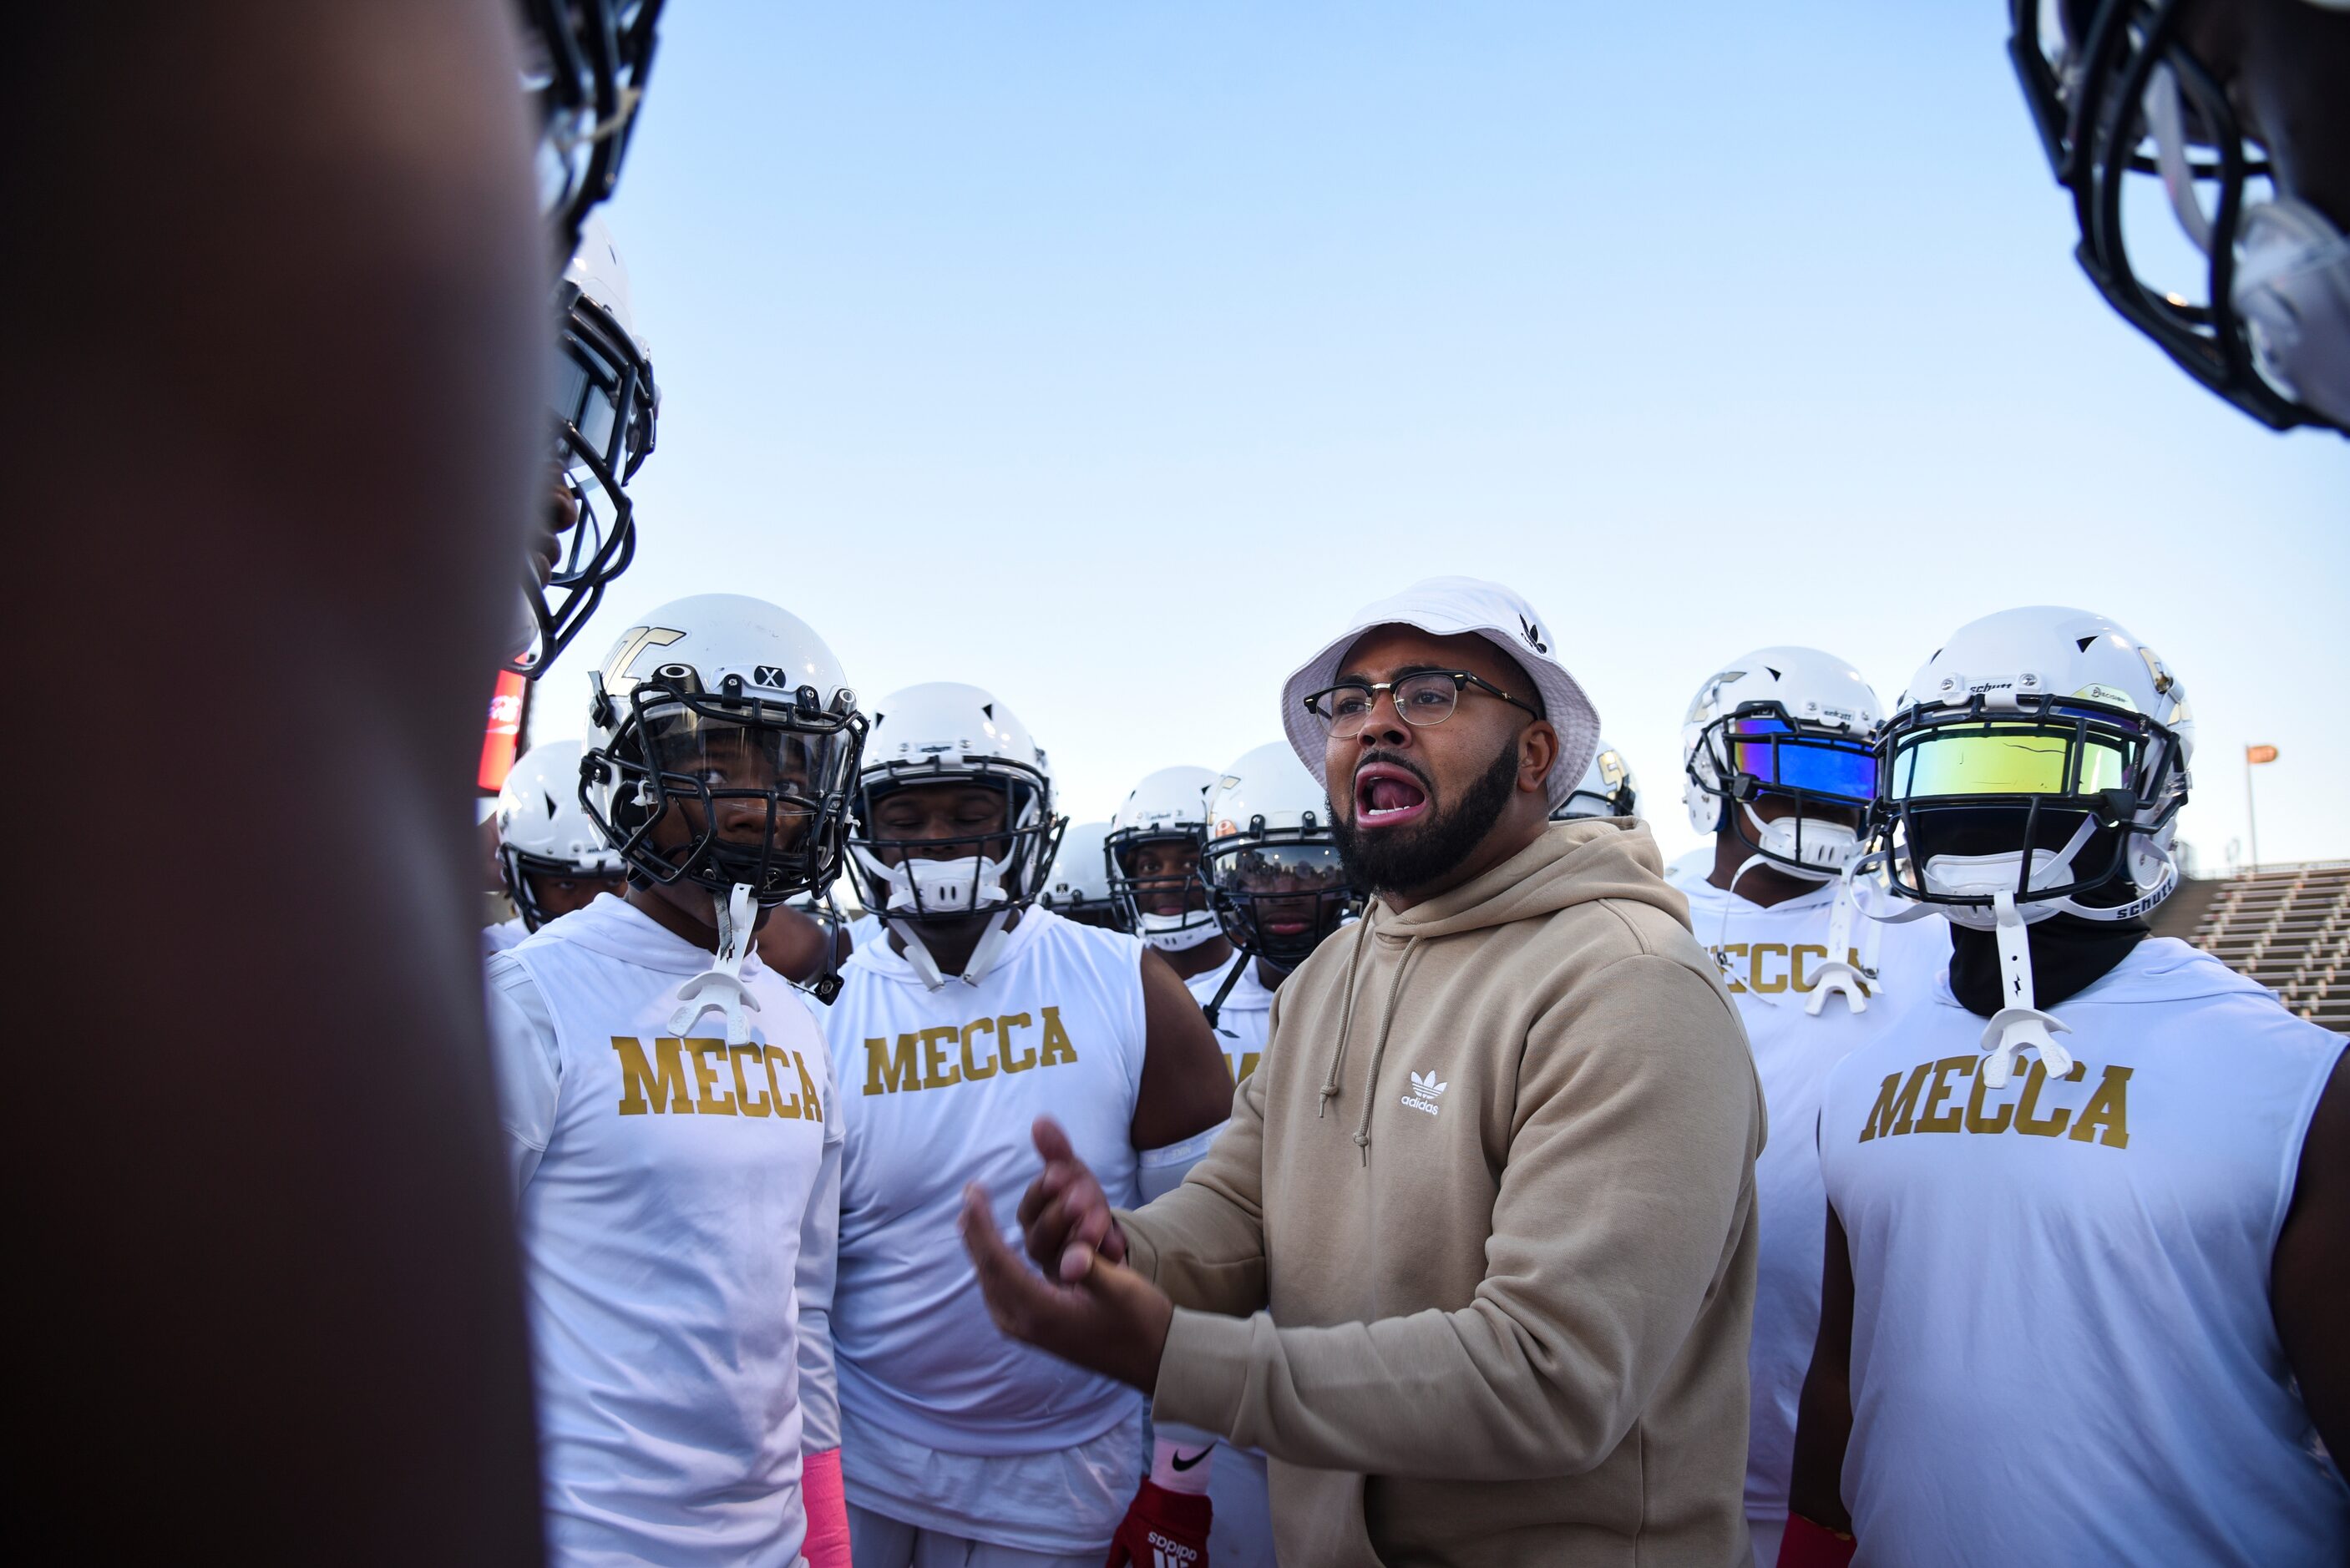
[946, 733]
[1169, 806]
[2036, 767]
[2041, 753]
[1606, 789]
[2118, 91]
[1078, 887]
[1794, 724]
[1271, 863]
[606, 405]
[708, 705]
[542, 829]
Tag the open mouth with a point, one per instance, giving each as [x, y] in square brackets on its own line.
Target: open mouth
[1387, 796]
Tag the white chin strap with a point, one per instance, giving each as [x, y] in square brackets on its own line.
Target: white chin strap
[2018, 1025]
[1177, 933]
[720, 986]
[984, 955]
[926, 889]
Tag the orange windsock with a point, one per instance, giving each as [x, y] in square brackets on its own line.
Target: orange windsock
[2260, 753]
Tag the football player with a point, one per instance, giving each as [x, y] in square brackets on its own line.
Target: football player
[1270, 867]
[2089, 1205]
[1778, 768]
[2236, 112]
[1078, 888]
[672, 1122]
[606, 405]
[274, 427]
[979, 1011]
[551, 859]
[1606, 789]
[1274, 882]
[1151, 856]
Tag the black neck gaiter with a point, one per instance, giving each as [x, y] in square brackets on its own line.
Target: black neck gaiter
[2069, 954]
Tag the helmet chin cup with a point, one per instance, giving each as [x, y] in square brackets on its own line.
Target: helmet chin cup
[926, 889]
[1994, 879]
[1177, 933]
[1986, 877]
[1801, 848]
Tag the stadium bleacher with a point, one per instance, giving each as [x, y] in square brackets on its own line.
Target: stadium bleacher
[2287, 927]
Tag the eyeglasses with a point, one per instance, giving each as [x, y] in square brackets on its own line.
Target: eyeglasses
[1427, 697]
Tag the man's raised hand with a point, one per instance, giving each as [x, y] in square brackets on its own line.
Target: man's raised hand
[1106, 1317]
[1065, 1216]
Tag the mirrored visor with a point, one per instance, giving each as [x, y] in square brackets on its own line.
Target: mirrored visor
[2008, 758]
[1272, 869]
[1782, 757]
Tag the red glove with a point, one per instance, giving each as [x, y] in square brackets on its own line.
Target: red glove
[1807, 1544]
[1161, 1529]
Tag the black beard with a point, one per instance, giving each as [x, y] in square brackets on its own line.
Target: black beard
[1397, 860]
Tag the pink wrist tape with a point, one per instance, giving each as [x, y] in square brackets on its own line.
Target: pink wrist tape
[827, 1511]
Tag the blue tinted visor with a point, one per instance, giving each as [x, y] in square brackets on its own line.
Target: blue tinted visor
[1783, 757]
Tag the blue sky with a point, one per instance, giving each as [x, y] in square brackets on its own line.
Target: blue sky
[1108, 354]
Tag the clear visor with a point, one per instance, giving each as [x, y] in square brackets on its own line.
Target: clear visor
[2009, 758]
[587, 398]
[724, 756]
[1782, 757]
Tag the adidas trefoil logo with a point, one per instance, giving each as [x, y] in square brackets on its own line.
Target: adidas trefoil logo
[1425, 1091]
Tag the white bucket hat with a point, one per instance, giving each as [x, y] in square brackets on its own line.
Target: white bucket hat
[1445, 606]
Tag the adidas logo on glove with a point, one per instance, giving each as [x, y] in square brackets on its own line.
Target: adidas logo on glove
[1425, 1090]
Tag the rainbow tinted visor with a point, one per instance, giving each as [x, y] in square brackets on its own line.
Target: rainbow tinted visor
[1782, 757]
[2008, 758]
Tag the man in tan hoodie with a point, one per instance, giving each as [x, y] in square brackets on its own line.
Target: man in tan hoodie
[1494, 1180]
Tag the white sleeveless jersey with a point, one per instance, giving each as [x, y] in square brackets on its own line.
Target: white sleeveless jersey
[497, 939]
[938, 1089]
[676, 1219]
[1770, 960]
[1242, 1020]
[2062, 1351]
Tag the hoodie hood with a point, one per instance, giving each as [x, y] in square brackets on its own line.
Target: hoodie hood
[1577, 862]
[616, 929]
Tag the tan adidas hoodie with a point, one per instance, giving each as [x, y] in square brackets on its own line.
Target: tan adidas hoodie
[1494, 1181]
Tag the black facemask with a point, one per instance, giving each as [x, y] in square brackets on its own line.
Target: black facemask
[1398, 861]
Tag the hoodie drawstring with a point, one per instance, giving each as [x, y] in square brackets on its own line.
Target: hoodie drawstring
[1379, 1047]
[1346, 1012]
